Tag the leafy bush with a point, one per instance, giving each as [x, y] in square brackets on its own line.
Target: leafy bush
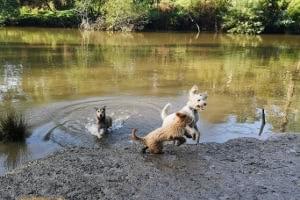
[35, 17]
[188, 14]
[208, 14]
[243, 16]
[8, 9]
[63, 4]
[166, 16]
[257, 16]
[242, 20]
[273, 15]
[13, 127]
[293, 12]
[125, 15]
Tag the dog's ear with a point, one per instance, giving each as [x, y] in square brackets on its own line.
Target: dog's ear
[194, 90]
[103, 107]
[96, 108]
[181, 115]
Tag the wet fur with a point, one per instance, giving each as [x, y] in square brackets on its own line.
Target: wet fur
[155, 139]
[196, 102]
[104, 122]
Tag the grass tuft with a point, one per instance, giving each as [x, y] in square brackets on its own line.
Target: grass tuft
[13, 127]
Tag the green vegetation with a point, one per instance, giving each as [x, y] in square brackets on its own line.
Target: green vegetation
[233, 16]
[13, 127]
[47, 18]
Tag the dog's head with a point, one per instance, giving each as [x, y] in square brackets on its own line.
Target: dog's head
[183, 119]
[197, 100]
[100, 112]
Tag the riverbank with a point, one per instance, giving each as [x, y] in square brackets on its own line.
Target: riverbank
[238, 169]
[242, 17]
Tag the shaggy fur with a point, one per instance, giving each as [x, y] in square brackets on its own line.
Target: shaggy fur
[196, 102]
[174, 131]
[104, 122]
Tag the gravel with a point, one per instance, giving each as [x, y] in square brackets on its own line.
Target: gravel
[238, 169]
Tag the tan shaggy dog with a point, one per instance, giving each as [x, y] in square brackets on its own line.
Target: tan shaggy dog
[173, 131]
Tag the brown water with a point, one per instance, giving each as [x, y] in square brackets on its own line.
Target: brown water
[57, 76]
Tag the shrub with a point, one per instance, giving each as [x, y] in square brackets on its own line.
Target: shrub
[8, 9]
[166, 16]
[208, 14]
[273, 15]
[63, 4]
[35, 17]
[125, 15]
[293, 12]
[243, 21]
[13, 127]
[257, 16]
[185, 14]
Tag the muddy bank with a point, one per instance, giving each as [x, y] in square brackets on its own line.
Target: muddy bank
[238, 169]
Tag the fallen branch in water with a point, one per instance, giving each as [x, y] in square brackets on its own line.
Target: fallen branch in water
[48, 134]
[197, 25]
[263, 122]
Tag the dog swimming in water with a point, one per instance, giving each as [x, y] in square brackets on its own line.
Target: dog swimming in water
[104, 122]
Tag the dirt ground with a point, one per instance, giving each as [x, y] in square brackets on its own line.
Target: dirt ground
[238, 169]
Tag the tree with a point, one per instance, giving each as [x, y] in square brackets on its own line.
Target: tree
[8, 8]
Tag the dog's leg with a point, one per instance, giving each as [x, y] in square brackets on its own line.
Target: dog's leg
[181, 140]
[156, 151]
[186, 134]
[144, 150]
[198, 134]
[193, 132]
[156, 148]
[190, 132]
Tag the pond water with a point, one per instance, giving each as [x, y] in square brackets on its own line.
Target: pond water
[58, 76]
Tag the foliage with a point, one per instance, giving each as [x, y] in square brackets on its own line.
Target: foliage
[208, 14]
[188, 14]
[273, 15]
[243, 18]
[13, 127]
[49, 4]
[36, 17]
[8, 9]
[293, 12]
[125, 15]
[233, 16]
[63, 4]
[257, 16]
[166, 16]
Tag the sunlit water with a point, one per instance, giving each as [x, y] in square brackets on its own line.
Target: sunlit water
[58, 76]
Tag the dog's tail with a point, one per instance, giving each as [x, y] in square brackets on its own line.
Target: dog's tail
[165, 110]
[135, 137]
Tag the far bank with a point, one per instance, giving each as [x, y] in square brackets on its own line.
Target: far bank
[228, 16]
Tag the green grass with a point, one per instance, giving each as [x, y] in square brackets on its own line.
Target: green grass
[13, 127]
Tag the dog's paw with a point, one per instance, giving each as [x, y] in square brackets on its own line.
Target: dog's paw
[194, 136]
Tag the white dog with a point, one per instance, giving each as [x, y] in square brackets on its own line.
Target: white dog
[196, 102]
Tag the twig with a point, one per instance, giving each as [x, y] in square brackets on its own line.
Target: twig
[198, 27]
[263, 122]
[48, 134]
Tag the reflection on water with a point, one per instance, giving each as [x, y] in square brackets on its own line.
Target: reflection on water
[141, 72]
[13, 154]
[11, 82]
